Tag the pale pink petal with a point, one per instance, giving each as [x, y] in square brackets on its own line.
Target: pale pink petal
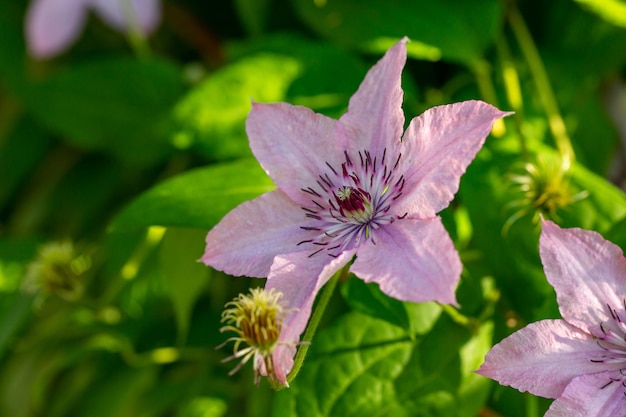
[542, 358]
[586, 397]
[411, 260]
[587, 272]
[248, 238]
[436, 150]
[294, 145]
[299, 277]
[53, 25]
[117, 13]
[375, 119]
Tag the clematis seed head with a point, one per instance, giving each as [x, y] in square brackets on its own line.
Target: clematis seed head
[256, 319]
[58, 269]
[542, 188]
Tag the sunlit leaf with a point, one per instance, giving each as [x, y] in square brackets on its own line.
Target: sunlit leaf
[212, 115]
[196, 199]
[328, 76]
[613, 11]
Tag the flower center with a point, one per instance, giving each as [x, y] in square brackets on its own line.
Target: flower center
[613, 344]
[349, 202]
[353, 203]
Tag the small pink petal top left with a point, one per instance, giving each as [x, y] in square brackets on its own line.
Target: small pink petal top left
[53, 25]
[579, 360]
[353, 186]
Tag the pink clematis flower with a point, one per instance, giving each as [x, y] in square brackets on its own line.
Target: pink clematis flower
[581, 359]
[53, 25]
[356, 185]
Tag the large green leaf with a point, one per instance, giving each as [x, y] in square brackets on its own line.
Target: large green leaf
[120, 105]
[212, 115]
[328, 75]
[185, 277]
[196, 199]
[369, 299]
[362, 366]
[452, 30]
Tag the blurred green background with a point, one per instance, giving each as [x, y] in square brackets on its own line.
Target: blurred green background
[118, 155]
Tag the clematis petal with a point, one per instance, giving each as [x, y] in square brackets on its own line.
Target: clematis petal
[375, 118]
[53, 25]
[293, 144]
[436, 150]
[299, 277]
[118, 13]
[589, 396]
[412, 260]
[542, 358]
[248, 238]
[586, 271]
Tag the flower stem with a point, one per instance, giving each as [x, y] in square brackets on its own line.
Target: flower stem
[135, 35]
[459, 318]
[544, 88]
[532, 405]
[513, 90]
[325, 297]
[482, 73]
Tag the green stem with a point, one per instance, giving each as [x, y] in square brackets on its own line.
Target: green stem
[316, 317]
[482, 73]
[546, 94]
[513, 90]
[532, 405]
[458, 317]
[135, 34]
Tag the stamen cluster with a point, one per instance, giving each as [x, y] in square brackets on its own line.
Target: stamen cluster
[350, 202]
[257, 319]
[613, 344]
[542, 188]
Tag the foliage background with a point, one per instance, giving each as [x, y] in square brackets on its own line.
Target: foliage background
[133, 154]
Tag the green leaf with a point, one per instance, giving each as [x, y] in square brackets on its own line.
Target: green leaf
[474, 390]
[17, 161]
[617, 234]
[204, 407]
[120, 105]
[253, 14]
[369, 299]
[452, 30]
[212, 115]
[185, 277]
[613, 11]
[605, 205]
[362, 366]
[351, 367]
[12, 48]
[196, 199]
[328, 75]
[118, 394]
